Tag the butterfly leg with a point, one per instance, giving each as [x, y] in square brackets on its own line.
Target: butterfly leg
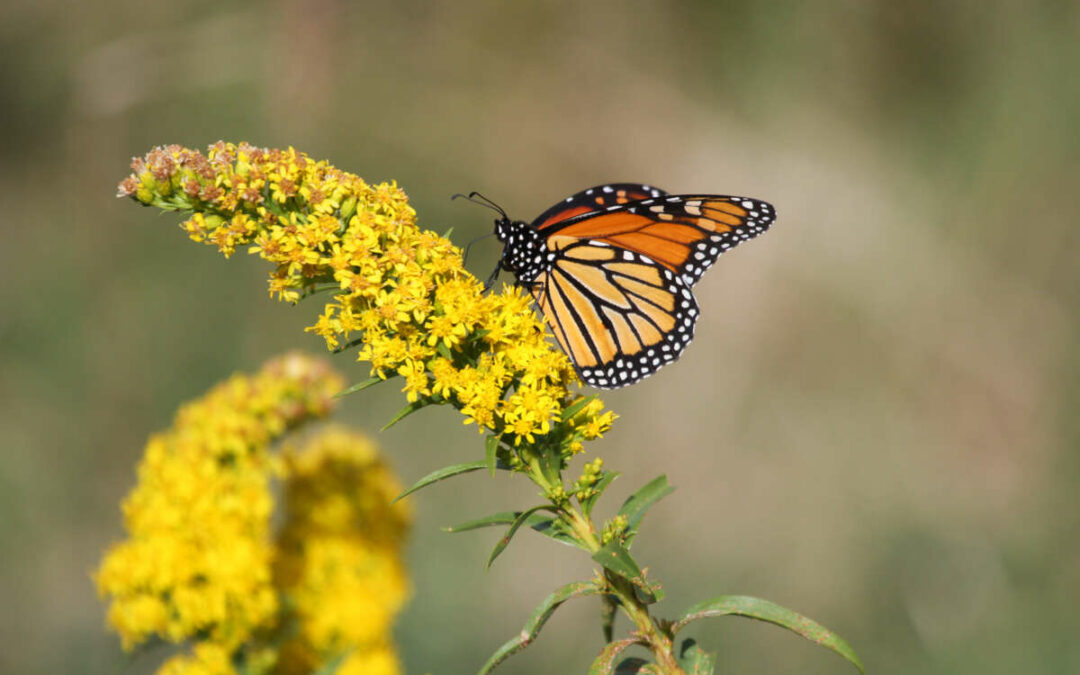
[534, 287]
[491, 279]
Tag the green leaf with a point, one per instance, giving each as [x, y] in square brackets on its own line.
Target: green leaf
[331, 666]
[315, 290]
[694, 660]
[404, 412]
[539, 617]
[651, 593]
[501, 545]
[444, 473]
[636, 666]
[359, 386]
[615, 558]
[501, 518]
[763, 610]
[444, 351]
[605, 662]
[553, 528]
[348, 345]
[551, 463]
[575, 408]
[607, 616]
[637, 504]
[446, 235]
[545, 525]
[606, 479]
[491, 452]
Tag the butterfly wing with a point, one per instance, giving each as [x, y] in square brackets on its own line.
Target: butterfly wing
[593, 199]
[683, 233]
[620, 316]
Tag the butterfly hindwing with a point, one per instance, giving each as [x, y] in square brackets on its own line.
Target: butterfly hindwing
[595, 199]
[619, 315]
[684, 233]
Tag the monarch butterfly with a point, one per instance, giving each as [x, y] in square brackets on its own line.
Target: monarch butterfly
[611, 267]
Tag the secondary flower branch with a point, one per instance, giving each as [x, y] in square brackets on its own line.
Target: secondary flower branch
[201, 562]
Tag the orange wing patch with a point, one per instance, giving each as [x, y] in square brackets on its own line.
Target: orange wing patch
[685, 234]
[616, 319]
[565, 214]
[593, 200]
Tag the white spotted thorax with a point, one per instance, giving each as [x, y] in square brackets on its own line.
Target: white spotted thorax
[525, 252]
[612, 269]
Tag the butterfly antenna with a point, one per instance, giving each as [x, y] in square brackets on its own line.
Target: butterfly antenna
[477, 198]
[486, 203]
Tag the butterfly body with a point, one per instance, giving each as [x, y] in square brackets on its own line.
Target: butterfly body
[612, 269]
[525, 252]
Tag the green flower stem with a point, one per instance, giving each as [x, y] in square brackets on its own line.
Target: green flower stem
[660, 644]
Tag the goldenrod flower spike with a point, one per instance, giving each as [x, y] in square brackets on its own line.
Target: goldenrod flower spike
[420, 314]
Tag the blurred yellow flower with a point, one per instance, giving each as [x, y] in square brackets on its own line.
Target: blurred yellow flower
[340, 554]
[200, 562]
[197, 560]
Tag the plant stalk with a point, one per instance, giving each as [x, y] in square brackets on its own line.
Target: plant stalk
[657, 641]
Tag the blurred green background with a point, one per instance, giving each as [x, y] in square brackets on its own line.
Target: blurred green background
[876, 426]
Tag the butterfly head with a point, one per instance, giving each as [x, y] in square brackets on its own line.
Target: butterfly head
[524, 251]
[523, 247]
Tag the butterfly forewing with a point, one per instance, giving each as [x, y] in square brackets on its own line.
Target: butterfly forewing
[611, 267]
[594, 199]
[684, 233]
[620, 316]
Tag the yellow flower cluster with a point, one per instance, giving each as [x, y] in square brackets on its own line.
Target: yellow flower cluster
[340, 557]
[198, 555]
[200, 562]
[418, 314]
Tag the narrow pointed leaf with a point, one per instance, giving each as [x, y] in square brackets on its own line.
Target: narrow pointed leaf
[403, 413]
[576, 407]
[637, 504]
[444, 473]
[606, 479]
[539, 617]
[320, 289]
[545, 525]
[553, 528]
[607, 617]
[763, 610]
[605, 662]
[617, 559]
[491, 452]
[500, 518]
[695, 660]
[523, 516]
[551, 464]
[359, 386]
[349, 345]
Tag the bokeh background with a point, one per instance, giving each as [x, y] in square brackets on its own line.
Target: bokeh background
[877, 424]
